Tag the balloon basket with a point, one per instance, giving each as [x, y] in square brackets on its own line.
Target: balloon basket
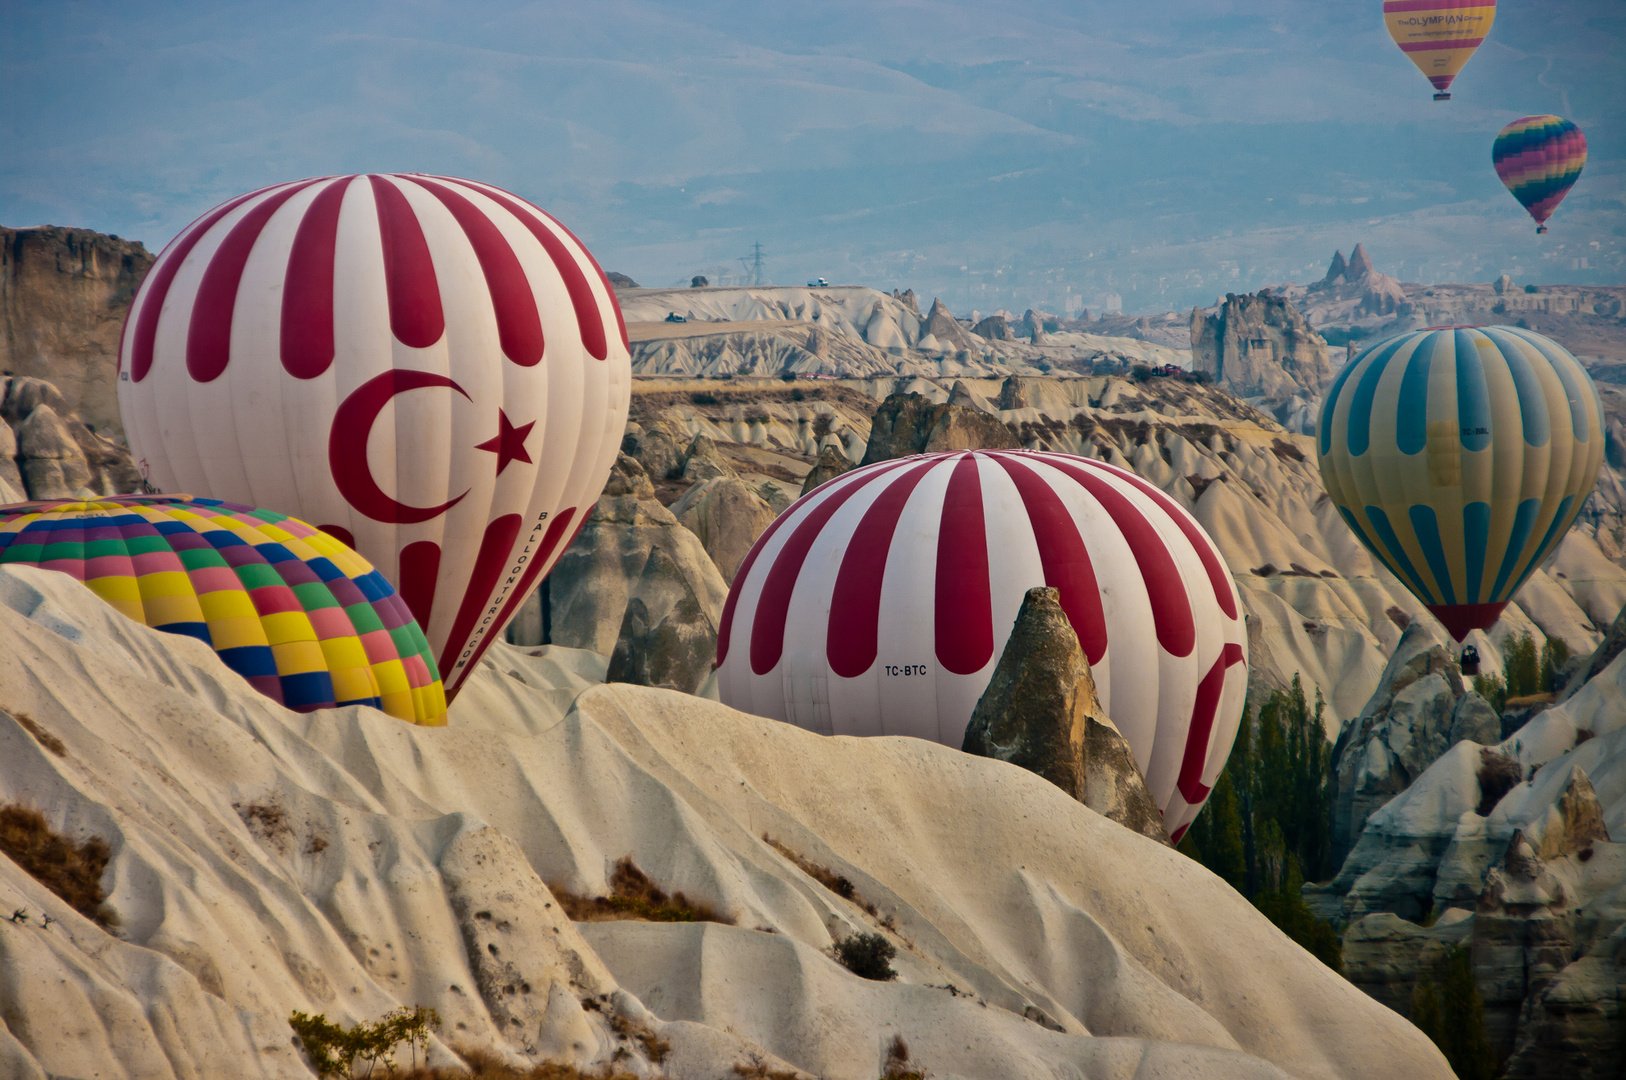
[1442, 97]
[1541, 229]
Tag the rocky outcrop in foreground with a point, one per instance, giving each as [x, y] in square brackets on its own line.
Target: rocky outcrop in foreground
[1510, 848]
[1420, 710]
[1259, 346]
[344, 863]
[1040, 712]
[47, 451]
[592, 584]
[912, 424]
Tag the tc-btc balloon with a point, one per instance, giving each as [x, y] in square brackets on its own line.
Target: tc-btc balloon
[1460, 456]
[880, 602]
[431, 369]
[305, 620]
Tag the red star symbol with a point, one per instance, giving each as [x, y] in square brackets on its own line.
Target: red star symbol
[509, 442]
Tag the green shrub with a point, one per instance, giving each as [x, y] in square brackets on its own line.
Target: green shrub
[869, 956]
[1492, 689]
[333, 1049]
[1285, 907]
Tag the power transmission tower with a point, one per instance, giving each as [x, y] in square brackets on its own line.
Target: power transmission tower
[753, 263]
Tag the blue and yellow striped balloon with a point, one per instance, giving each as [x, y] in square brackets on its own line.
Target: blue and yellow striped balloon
[1460, 455]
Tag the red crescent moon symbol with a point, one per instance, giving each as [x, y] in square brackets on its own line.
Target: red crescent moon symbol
[347, 447]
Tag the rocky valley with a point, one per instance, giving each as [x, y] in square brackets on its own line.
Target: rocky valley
[263, 861]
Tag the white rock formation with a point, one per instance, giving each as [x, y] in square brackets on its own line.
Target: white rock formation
[1318, 604]
[344, 863]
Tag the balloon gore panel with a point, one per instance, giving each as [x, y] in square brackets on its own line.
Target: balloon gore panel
[1439, 36]
[1539, 158]
[305, 620]
[1462, 481]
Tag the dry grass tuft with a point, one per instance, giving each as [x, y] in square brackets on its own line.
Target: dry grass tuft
[757, 1069]
[1498, 774]
[897, 1062]
[634, 897]
[72, 871]
[824, 876]
[41, 736]
[267, 821]
[487, 1065]
[1285, 451]
[655, 1048]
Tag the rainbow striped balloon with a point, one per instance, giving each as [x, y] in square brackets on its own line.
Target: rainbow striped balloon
[308, 622]
[1459, 456]
[1539, 158]
[1439, 35]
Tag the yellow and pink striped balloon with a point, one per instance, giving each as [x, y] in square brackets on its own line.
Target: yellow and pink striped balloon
[1439, 35]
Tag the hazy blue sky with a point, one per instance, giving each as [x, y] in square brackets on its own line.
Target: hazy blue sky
[997, 154]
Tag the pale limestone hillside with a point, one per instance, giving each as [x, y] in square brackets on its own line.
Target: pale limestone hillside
[854, 332]
[345, 863]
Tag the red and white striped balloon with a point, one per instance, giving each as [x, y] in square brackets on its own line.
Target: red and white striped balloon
[879, 604]
[431, 369]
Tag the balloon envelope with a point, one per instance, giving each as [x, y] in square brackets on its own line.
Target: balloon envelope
[1539, 158]
[431, 369]
[1439, 35]
[1459, 456]
[303, 618]
[880, 602]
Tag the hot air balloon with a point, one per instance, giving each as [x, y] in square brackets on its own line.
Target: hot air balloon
[879, 604]
[1439, 35]
[300, 616]
[1459, 456]
[431, 369]
[1539, 158]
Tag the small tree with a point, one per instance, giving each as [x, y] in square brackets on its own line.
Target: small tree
[333, 1049]
[1521, 666]
[1554, 655]
[1448, 1009]
[868, 956]
[1268, 823]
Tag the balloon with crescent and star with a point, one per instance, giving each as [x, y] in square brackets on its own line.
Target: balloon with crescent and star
[431, 369]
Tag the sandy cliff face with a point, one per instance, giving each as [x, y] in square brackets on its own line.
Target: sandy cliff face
[1259, 345]
[63, 295]
[1262, 349]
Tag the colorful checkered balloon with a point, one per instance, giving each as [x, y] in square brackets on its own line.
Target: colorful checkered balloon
[308, 622]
